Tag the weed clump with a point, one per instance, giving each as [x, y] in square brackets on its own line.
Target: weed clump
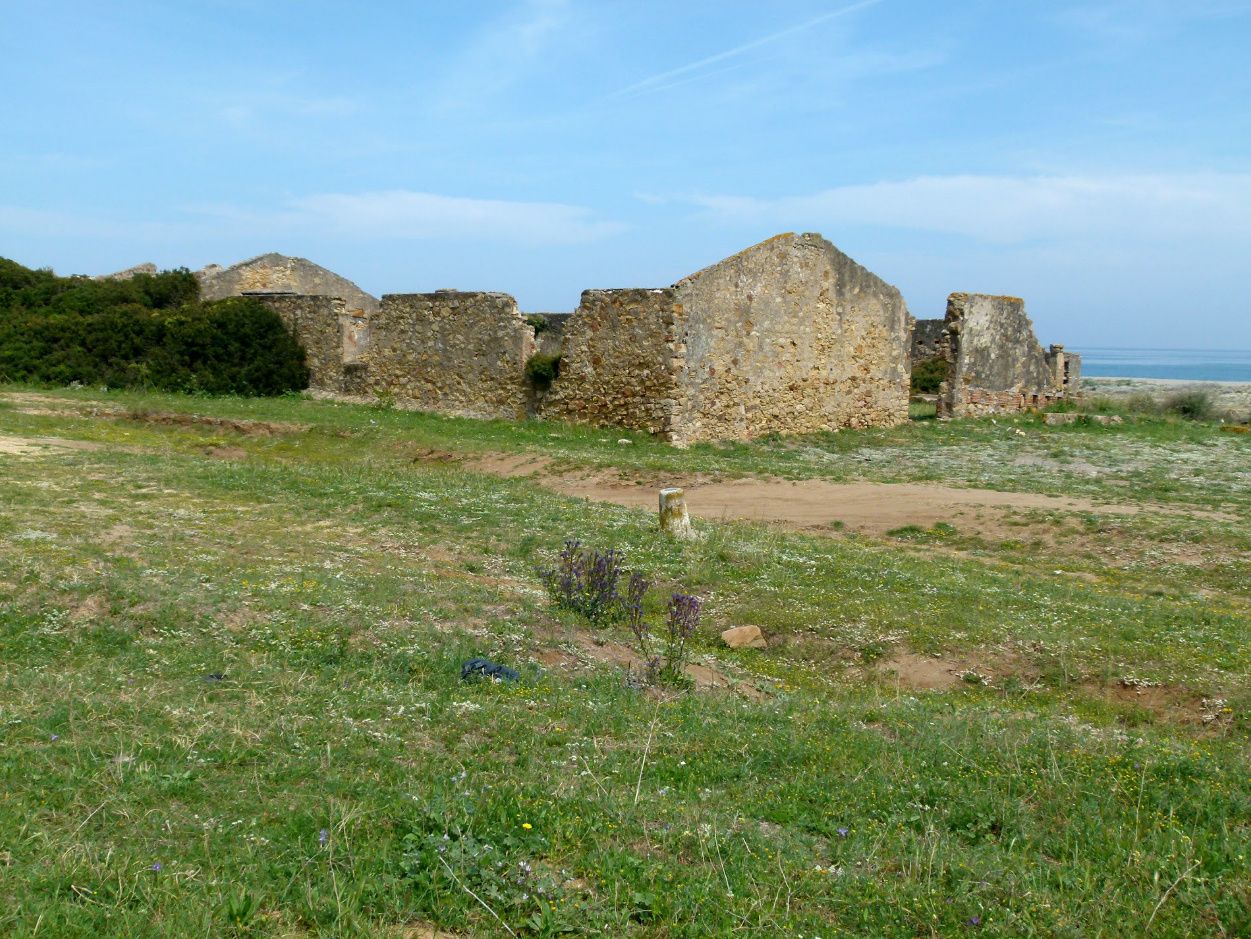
[667, 652]
[1196, 405]
[588, 582]
[542, 369]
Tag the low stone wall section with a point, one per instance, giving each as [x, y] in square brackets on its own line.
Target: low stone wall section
[620, 361]
[319, 324]
[456, 352]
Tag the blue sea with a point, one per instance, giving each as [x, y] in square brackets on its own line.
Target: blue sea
[1190, 364]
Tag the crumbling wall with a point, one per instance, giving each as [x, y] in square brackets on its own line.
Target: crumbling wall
[278, 273]
[789, 336]
[129, 273]
[1066, 369]
[995, 362]
[458, 353]
[620, 361]
[320, 325]
[927, 340]
[551, 336]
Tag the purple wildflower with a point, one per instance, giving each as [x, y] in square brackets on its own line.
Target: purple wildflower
[586, 580]
[157, 867]
[974, 921]
[842, 832]
[323, 837]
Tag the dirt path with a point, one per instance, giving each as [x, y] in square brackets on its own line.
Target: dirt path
[25, 446]
[810, 504]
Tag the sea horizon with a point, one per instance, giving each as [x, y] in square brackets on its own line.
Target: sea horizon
[1181, 364]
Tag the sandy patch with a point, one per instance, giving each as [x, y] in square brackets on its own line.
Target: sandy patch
[26, 446]
[810, 504]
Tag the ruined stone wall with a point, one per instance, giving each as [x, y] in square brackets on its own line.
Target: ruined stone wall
[319, 325]
[278, 273]
[790, 336]
[995, 362]
[927, 339]
[620, 361]
[551, 338]
[1066, 369]
[458, 353]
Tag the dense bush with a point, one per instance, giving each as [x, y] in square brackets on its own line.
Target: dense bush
[1194, 405]
[149, 331]
[927, 375]
[542, 369]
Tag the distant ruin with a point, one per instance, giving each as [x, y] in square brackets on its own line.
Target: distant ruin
[788, 336]
[278, 274]
[995, 364]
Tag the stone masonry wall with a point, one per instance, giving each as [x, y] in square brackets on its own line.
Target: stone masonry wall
[995, 362]
[789, 336]
[927, 338]
[458, 353]
[318, 324]
[620, 361]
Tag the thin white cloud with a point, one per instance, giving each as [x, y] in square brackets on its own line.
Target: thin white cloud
[410, 215]
[666, 79]
[245, 111]
[1016, 209]
[368, 216]
[42, 223]
[1118, 22]
[504, 53]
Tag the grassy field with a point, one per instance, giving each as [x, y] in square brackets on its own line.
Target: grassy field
[231, 701]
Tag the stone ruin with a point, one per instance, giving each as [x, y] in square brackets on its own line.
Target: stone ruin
[789, 336]
[278, 274]
[995, 364]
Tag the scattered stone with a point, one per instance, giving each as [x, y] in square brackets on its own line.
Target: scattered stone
[625, 441]
[1072, 417]
[744, 637]
[485, 668]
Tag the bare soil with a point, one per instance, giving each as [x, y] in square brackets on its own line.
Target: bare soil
[806, 505]
[25, 446]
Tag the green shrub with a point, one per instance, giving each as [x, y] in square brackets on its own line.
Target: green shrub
[1196, 405]
[150, 331]
[542, 370]
[927, 375]
[538, 321]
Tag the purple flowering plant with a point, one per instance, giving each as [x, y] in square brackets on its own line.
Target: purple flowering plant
[587, 581]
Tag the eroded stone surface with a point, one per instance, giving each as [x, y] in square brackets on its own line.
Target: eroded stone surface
[278, 273]
[995, 362]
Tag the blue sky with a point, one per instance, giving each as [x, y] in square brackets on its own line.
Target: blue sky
[1093, 157]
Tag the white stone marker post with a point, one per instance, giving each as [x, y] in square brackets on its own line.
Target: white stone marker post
[673, 516]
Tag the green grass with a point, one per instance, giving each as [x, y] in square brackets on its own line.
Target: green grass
[230, 695]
